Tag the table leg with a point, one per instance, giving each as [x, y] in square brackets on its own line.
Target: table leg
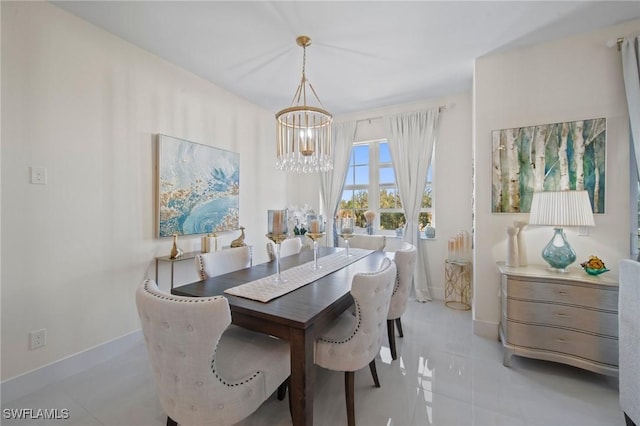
[302, 377]
[172, 274]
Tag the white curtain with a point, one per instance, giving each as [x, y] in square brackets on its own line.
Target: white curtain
[631, 73]
[411, 137]
[331, 183]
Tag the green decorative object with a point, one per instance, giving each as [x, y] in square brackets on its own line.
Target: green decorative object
[595, 271]
[594, 266]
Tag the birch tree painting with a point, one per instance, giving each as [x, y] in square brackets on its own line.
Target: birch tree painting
[550, 157]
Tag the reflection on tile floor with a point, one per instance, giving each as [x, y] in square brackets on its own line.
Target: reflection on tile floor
[444, 375]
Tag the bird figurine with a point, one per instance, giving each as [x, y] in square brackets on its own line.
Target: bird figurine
[239, 242]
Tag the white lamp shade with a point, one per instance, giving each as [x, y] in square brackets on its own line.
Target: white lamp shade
[561, 208]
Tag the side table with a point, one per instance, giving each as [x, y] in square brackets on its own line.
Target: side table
[189, 256]
[457, 285]
[185, 256]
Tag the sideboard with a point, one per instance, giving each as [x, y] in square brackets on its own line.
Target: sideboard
[570, 317]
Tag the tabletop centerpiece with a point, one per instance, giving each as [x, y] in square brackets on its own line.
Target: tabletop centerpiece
[277, 232]
[346, 231]
[315, 232]
[594, 266]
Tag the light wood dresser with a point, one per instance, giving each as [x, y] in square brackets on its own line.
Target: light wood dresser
[564, 317]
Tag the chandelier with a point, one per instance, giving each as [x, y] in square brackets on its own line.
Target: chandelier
[303, 132]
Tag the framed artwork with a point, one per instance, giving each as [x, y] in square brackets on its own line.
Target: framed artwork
[548, 157]
[198, 188]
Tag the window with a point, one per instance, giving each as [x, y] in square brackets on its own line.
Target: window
[370, 185]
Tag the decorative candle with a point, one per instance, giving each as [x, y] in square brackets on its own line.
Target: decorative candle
[346, 225]
[315, 223]
[204, 245]
[277, 222]
[213, 241]
[451, 247]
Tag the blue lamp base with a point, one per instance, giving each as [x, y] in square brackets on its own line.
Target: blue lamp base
[558, 253]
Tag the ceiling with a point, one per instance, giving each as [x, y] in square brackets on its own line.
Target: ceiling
[364, 54]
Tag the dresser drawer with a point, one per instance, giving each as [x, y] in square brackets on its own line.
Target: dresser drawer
[586, 346]
[563, 293]
[605, 323]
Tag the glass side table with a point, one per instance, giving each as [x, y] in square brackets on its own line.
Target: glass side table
[457, 285]
[185, 256]
[189, 256]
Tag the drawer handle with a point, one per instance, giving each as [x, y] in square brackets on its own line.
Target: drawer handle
[561, 315]
[561, 340]
[561, 292]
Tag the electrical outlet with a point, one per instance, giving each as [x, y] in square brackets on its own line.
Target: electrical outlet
[37, 339]
[39, 175]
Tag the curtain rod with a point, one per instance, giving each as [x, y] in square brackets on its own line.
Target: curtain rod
[441, 108]
[617, 42]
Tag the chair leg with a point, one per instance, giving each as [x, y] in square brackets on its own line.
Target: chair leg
[399, 325]
[392, 339]
[628, 420]
[374, 373]
[349, 391]
[171, 422]
[282, 389]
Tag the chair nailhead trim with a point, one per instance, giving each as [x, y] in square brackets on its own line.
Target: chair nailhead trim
[171, 298]
[396, 287]
[358, 313]
[203, 276]
[223, 381]
[355, 331]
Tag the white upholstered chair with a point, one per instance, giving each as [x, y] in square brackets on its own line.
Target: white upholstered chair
[223, 261]
[369, 242]
[288, 247]
[629, 339]
[405, 260]
[353, 341]
[207, 371]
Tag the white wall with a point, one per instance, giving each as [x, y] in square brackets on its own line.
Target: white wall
[571, 79]
[87, 106]
[453, 172]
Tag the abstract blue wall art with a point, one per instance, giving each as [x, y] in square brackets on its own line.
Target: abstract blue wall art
[198, 188]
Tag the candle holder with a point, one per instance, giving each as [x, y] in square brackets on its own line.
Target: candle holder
[346, 231]
[315, 236]
[316, 231]
[277, 232]
[277, 239]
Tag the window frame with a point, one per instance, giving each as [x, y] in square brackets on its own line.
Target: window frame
[374, 186]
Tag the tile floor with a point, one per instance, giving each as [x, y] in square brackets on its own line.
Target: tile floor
[445, 375]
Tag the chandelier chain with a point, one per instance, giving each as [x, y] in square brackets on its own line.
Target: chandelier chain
[304, 61]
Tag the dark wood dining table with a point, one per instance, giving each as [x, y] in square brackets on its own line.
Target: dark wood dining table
[299, 316]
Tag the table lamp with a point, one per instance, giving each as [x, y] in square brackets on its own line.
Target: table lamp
[560, 209]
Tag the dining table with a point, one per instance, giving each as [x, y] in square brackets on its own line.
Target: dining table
[300, 316]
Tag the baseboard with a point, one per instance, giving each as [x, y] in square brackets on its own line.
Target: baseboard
[486, 329]
[31, 381]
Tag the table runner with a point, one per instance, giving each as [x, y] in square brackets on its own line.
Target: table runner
[265, 289]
